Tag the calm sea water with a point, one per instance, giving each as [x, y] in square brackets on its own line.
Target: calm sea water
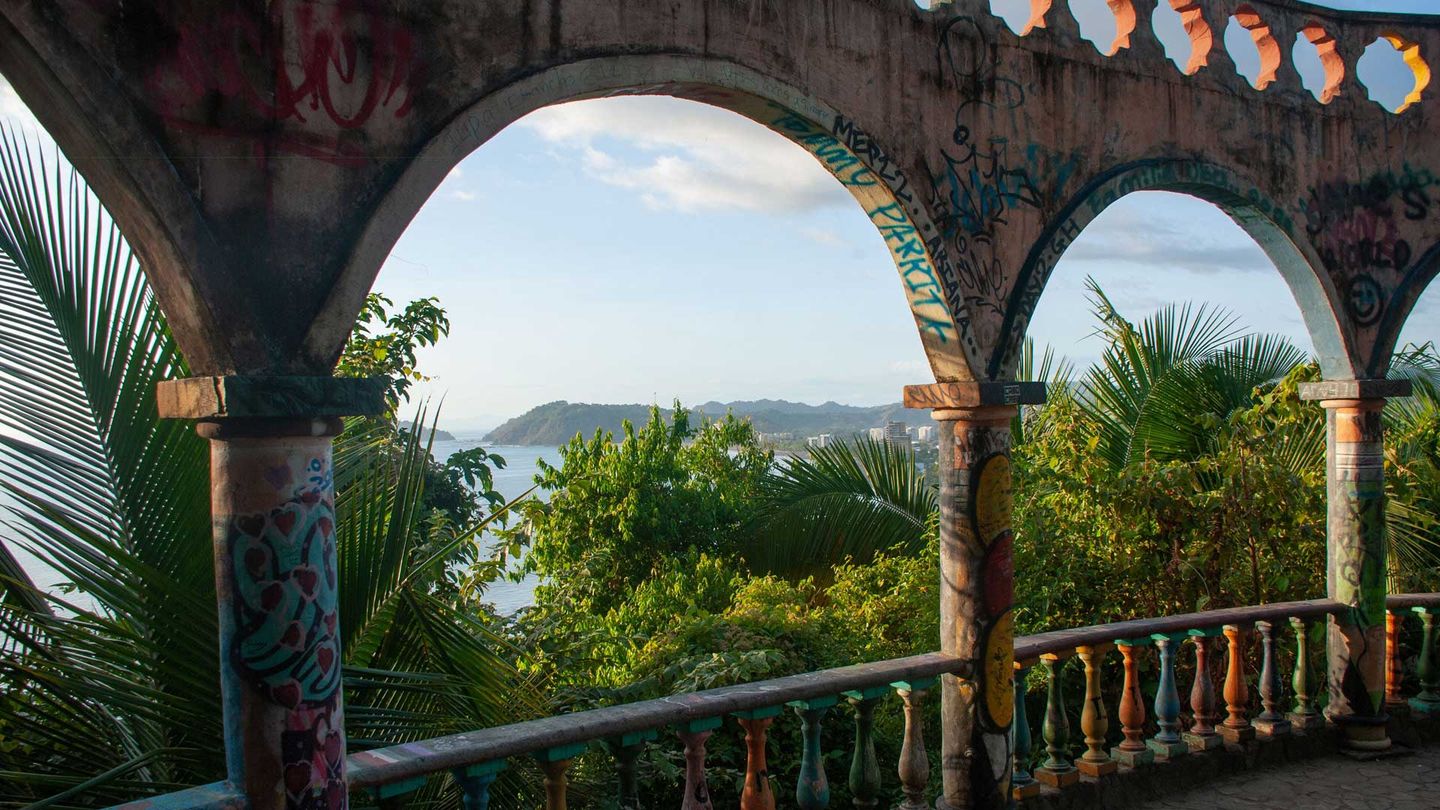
[518, 476]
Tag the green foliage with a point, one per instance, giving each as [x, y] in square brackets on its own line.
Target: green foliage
[385, 344]
[846, 501]
[621, 511]
[1412, 474]
[108, 685]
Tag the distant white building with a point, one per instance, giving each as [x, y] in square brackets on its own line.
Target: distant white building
[925, 434]
[820, 442]
[877, 434]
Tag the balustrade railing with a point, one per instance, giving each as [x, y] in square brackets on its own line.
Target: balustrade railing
[473, 760]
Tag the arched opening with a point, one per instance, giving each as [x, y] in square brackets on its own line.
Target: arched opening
[881, 186]
[1264, 220]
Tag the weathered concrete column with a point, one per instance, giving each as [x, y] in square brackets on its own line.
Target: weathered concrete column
[976, 584]
[273, 512]
[1356, 553]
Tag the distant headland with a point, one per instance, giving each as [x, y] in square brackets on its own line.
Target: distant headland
[555, 423]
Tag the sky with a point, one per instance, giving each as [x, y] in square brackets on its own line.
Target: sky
[645, 249]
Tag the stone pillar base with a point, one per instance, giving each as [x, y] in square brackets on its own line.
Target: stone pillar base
[1203, 742]
[1272, 728]
[1058, 778]
[1101, 768]
[1236, 736]
[1364, 733]
[1165, 751]
[1302, 723]
[1133, 759]
[1029, 790]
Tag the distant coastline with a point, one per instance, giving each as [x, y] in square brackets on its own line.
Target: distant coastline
[555, 423]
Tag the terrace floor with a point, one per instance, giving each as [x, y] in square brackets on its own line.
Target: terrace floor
[1333, 782]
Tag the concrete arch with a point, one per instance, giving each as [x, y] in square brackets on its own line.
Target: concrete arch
[1262, 218]
[878, 183]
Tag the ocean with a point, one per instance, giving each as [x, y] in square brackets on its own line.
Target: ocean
[519, 475]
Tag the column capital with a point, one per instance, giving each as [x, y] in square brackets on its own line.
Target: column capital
[1354, 390]
[269, 398]
[968, 395]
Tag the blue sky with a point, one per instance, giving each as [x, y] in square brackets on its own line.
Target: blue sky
[643, 249]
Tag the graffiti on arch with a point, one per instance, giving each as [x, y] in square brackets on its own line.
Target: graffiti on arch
[1360, 230]
[859, 163]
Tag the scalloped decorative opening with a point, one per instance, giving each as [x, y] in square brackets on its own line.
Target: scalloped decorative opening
[1021, 15]
[1182, 29]
[1106, 24]
[1261, 63]
[1393, 71]
[1319, 64]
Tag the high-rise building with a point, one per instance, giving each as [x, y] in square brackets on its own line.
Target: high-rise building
[877, 434]
[896, 434]
[925, 434]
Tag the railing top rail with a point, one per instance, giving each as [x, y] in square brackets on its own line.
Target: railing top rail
[1031, 647]
[1405, 601]
[410, 760]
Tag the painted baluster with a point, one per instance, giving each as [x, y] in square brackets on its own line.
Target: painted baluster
[694, 734]
[1167, 743]
[1305, 716]
[396, 795]
[1236, 728]
[474, 782]
[1022, 782]
[1394, 623]
[1132, 751]
[1057, 771]
[757, 794]
[627, 750]
[1428, 701]
[914, 769]
[555, 762]
[812, 790]
[1094, 722]
[1202, 735]
[1271, 721]
[864, 767]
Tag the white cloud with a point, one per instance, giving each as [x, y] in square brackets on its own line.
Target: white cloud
[463, 196]
[1169, 231]
[687, 156]
[824, 236]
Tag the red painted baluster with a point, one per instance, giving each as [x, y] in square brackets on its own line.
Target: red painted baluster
[1394, 623]
[694, 734]
[1132, 751]
[1202, 735]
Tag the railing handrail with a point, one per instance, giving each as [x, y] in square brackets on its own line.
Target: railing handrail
[1056, 641]
[410, 760]
[1406, 601]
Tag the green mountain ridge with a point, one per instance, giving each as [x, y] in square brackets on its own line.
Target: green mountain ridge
[555, 423]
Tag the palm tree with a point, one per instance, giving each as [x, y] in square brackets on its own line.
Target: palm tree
[848, 500]
[108, 680]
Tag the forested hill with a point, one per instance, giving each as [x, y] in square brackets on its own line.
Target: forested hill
[555, 423]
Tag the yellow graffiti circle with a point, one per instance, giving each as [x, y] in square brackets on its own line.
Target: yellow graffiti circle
[992, 499]
[999, 667]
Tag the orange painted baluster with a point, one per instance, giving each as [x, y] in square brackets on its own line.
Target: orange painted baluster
[1236, 728]
[1094, 722]
[1394, 623]
[757, 794]
[1132, 751]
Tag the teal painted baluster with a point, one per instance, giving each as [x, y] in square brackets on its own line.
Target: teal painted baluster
[1167, 743]
[1058, 770]
[475, 782]
[396, 795]
[864, 767]
[1022, 782]
[1428, 701]
[1271, 721]
[812, 790]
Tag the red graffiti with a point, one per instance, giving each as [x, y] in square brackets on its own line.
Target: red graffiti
[318, 69]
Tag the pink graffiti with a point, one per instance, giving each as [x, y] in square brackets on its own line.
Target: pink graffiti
[321, 68]
[1366, 239]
